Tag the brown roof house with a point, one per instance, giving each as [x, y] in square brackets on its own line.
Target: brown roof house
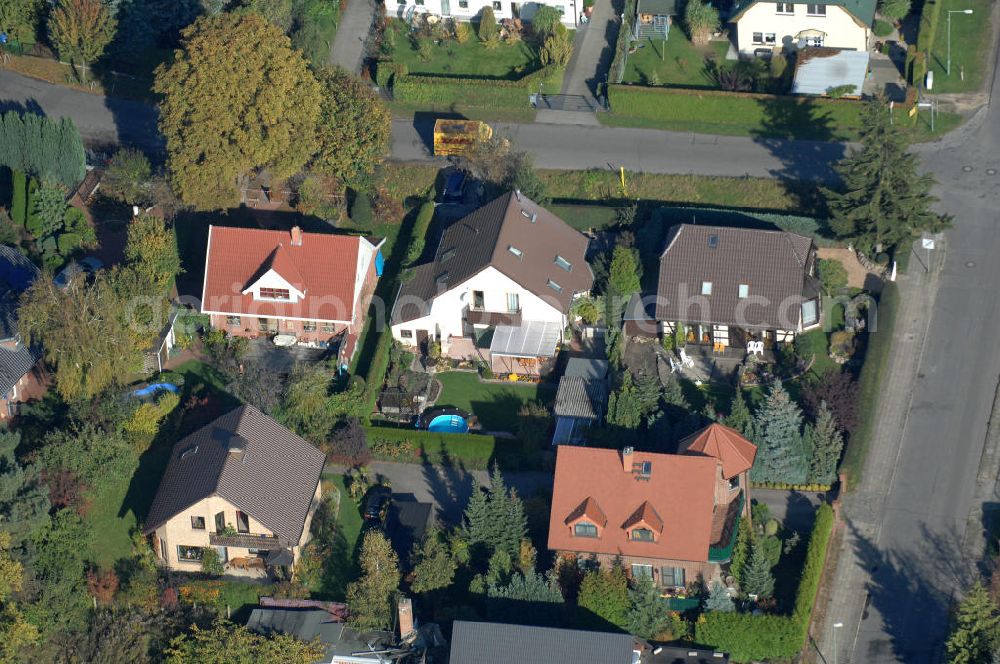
[669, 516]
[243, 485]
[737, 290]
[499, 287]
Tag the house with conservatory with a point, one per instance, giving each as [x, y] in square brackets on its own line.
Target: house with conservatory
[672, 517]
[308, 288]
[729, 291]
[498, 289]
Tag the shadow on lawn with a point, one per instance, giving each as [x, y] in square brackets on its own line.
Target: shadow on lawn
[804, 138]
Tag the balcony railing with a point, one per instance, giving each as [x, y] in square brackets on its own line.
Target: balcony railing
[723, 551]
[244, 540]
[481, 317]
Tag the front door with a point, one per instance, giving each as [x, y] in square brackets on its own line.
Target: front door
[422, 341]
[445, 7]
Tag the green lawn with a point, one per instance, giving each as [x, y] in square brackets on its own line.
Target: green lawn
[471, 59]
[680, 63]
[970, 41]
[495, 404]
[341, 567]
[114, 540]
[817, 342]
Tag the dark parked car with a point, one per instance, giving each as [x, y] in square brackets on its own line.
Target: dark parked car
[454, 188]
[376, 505]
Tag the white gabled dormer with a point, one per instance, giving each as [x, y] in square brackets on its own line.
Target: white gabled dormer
[280, 281]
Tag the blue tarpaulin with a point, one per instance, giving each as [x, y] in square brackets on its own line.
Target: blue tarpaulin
[379, 263]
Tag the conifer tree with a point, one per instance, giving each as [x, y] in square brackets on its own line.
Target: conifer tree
[827, 444]
[647, 615]
[739, 417]
[885, 201]
[371, 596]
[623, 405]
[778, 436]
[476, 523]
[977, 628]
[433, 565]
[757, 577]
[718, 599]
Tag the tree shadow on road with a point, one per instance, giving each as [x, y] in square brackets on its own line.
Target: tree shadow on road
[911, 592]
[804, 138]
[450, 484]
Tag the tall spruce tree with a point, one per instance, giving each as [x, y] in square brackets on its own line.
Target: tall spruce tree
[24, 499]
[433, 565]
[777, 433]
[827, 444]
[884, 200]
[757, 578]
[647, 614]
[476, 522]
[718, 599]
[623, 405]
[496, 519]
[977, 628]
[371, 596]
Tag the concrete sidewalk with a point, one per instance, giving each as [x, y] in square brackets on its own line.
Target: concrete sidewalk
[865, 505]
[348, 48]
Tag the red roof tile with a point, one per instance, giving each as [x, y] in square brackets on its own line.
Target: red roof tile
[680, 491]
[323, 266]
[723, 443]
[645, 516]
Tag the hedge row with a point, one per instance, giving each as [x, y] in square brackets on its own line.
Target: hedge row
[739, 113]
[929, 19]
[785, 486]
[747, 637]
[473, 451]
[493, 94]
[870, 382]
[376, 368]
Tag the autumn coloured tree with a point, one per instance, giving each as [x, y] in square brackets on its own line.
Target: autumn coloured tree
[80, 30]
[226, 642]
[236, 97]
[354, 127]
[371, 597]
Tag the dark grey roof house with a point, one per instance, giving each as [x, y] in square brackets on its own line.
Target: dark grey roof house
[17, 360]
[342, 644]
[581, 399]
[751, 279]
[243, 472]
[497, 643]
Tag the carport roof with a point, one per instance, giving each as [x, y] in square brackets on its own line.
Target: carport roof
[819, 70]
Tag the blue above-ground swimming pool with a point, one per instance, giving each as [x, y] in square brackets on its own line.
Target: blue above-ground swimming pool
[153, 388]
[444, 420]
[448, 424]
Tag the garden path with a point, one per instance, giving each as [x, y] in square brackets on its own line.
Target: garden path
[348, 48]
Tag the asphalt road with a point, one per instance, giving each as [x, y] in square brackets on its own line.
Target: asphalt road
[108, 120]
[917, 562]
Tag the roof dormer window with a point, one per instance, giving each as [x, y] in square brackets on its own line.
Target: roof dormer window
[274, 294]
[584, 529]
[641, 535]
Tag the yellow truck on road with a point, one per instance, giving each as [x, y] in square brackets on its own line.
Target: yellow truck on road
[457, 137]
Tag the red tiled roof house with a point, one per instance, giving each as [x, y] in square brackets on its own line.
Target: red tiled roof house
[312, 286]
[669, 516]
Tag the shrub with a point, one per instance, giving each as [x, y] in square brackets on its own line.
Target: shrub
[833, 274]
[463, 31]
[384, 69]
[392, 450]
[361, 210]
[388, 210]
[425, 49]
[779, 63]
[702, 20]
[882, 28]
[348, 444]
[488, 25]
[557, 49]
[747, 637]
[894, 10]
[545, 20]
[812, 569]
[211, 564]
[19, 197]
[475, 451]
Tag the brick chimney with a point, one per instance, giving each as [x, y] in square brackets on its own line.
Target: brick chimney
[406, 624]
[627, 459]
[296, 236]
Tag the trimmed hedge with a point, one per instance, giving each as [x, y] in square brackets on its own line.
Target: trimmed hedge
[473, 451]
[869, 383]
[420, 226]
[494, 94]
[376, 369]
[930, 16]
[19, 197]
[739, 113]
[747, 637]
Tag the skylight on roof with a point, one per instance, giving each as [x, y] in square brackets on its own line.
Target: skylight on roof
[554, 286]
[706, 288]
[514, 250]
[744, 291]
[448, 254]
[443, 277]
[189, 452]
[564, 264]
[713, 241]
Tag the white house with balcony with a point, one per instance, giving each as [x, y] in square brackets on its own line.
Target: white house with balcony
[499, 287]
[763, 25]
[470, 10]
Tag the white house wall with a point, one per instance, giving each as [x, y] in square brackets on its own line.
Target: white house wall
[571, 9]
[447, 309]
[272, 279]
[841, 28]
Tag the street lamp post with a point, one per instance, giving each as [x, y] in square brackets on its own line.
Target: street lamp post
[950, 12]
[833, 633]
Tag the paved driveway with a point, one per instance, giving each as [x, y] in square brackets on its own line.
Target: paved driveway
[348, 48]
[449, 489]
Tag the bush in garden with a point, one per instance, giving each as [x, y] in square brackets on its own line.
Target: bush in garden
[211, 564]
[833, 274]
[488, 25]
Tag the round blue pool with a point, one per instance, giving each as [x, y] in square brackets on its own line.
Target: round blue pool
[153, 388]
[448, 424]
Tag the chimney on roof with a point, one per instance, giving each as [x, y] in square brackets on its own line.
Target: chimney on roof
[627, 458]
[405, 610]
[296, 236]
